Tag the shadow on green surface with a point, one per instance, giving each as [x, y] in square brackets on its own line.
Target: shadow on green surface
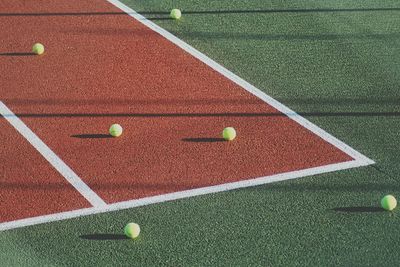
[336, 100]
[104, 237]
[358, 209]
[257, 11]
[292, 37]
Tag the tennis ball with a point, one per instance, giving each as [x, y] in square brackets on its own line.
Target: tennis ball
[115, 130]
[388, 202]
[38, 49]
[175, 13]
[229, 133]
[132, 230]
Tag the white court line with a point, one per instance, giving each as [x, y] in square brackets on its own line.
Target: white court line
[239, 81]
[177, 195]
[359, 159]
[51, 157]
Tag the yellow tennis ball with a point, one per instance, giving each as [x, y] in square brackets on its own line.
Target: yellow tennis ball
[115, 130]
[38, 49]
[175, 13]
[132, 230]
[389, 202]
[229, 133]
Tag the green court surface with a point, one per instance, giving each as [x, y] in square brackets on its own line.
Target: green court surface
[337, 63]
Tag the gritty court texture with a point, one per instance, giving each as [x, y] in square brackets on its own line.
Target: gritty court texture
[103, 64]
[172, 106]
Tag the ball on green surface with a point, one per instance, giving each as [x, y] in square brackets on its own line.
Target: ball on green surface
[38, 49]
[229, 133]
[115, 130]
[389, 202]
[175, 13]
[132, 230]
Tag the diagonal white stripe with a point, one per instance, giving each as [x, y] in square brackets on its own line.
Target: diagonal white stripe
[247, 86]
[178, 195]
[51, 157]
[359, 159]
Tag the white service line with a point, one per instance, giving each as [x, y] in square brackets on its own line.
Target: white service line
[51, 157]
[247, 86]
[178, 195]
[100, 206]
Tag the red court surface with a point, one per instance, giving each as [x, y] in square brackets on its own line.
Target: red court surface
[102, 67]
[29, 186]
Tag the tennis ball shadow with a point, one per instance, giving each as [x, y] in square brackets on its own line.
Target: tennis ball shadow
[100, 237]
[83, 136]
[358, 209]
[203, 140]
[159, 18]
[15, 54]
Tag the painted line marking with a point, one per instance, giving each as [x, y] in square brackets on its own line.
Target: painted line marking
[247, 86]
[178, 195]
[359, 159]
[51, 157]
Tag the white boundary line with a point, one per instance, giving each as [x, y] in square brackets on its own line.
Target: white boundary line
[101, 207]
[239, 81]
[177, 195]
[51, 157]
